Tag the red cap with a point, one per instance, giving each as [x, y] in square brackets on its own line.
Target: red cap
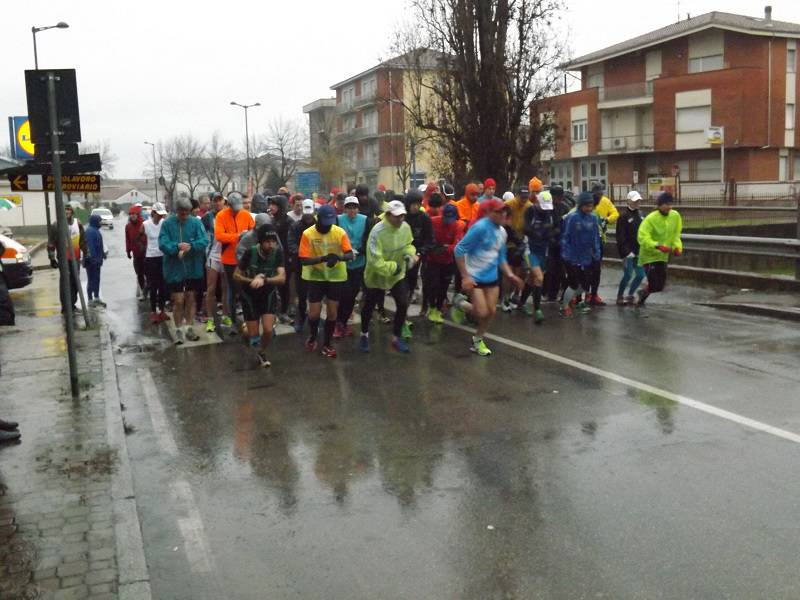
[335, 191]
[490, 183]
[381, 187]
[431, 188]
[492, 205]
[135, 210]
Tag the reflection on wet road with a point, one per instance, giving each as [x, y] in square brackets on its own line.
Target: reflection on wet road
[440, 475]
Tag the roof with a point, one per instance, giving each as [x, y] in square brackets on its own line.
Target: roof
[321, 103]
[719, 20]
[427, 59]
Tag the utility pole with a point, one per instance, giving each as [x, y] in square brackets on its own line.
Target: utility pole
[155, 175]
[246, 135]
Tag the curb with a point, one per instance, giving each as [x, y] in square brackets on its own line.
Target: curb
[134, 577]
[762, 310]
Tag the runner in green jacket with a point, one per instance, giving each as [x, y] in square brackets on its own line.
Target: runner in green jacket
[659, 237]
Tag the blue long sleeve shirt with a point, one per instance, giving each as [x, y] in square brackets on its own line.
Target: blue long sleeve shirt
[484, 250]
[580, 239]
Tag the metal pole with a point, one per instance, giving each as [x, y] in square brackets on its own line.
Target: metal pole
[48, 220]
[722, 157]
[63, 265]
[155, 175]
[247, 143]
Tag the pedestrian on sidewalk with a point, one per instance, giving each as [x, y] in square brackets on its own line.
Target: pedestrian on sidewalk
[154, 264]
[440, 265]
[260, 272]
[659, 238]
[324, 251]
[390, 253]
[480, 257]
[580, 249]
[628, 246]
[183, 241]
[355, 226]
[75, 244]
[136, 247]
[93, 260]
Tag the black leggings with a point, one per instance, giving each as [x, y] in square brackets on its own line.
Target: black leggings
[355, 277]
[579, 277]
[153, 268]
[656, 276]
[138, 267]
[400, 294]
[301, 286]
[554, 274]
[412, 277]
[436, 278]
[594, 283]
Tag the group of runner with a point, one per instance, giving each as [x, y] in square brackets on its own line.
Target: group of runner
[514, 253]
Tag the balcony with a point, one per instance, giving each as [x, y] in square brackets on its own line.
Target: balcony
[363, 133]
[631, 94]
[622, 144]
[356, 103]
[342, 137]
[365, 164]
[363, 100]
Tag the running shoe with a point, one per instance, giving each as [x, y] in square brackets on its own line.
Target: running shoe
[630, 300]
[583, 308]
[400, 345]
[178, 337]
[596, 300]
[457, 313]
[311, 345]
[539, 317]
[338, 332]
[163, 316]
[226, 321]
[347, 331]
[641, 298]
[191, 335]
[506, 306]
[154, 319]
[363, 343]
[435, 316]
[263, 361]
[385, 319]
[98, 302]
[620, 301]
[479, 347]
[328, 351]
[210, 327]
[565, 311]
[405, 331]
[528, 309]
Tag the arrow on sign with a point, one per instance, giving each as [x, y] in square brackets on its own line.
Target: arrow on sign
[20, 181]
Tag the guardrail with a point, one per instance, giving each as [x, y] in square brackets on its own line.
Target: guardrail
[741, 245]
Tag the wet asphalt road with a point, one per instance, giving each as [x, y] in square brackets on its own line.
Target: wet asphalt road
[443, 475]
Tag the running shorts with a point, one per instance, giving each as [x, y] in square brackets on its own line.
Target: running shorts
[484, 286]
[215, 264]
[332, 290]
[186, 285]
[255, 306]
[537, 259]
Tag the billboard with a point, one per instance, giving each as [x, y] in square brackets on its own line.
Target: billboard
[19, 130]
[307, 182]
[656, 185]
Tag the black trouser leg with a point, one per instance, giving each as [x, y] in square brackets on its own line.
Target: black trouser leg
[138, 267]
[302, 295]
[443, 283]
[401, 296]
[372, 297]
[412, 277]
[346, 305]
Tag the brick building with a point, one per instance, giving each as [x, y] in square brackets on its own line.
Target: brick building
[645, 106]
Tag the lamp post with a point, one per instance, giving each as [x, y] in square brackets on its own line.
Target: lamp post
[34, 31]
[155, 175]
[246, 135]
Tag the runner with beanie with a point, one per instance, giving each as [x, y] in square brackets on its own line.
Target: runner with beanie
[324, 250]
[659, 237]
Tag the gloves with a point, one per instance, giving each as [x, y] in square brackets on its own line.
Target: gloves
[129, 254]
[331, 260]
[676, 252]
[398, 269]
[409, 261]
[631, 255]
[355, 253]
[53, 263]
[663, 248]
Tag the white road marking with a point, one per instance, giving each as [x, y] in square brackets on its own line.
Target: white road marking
[156, 410]
[645, 387]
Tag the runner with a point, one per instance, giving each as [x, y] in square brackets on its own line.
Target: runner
[439, 264]
[215, 275]
[368, 207]
[422, 232]
[259, 273]
[580, 249]
[355, 226]
[250, 238]
[517, 205]
[297, 209]
[516, 253]
[390, 253]
[293, 247]
[628, 245]
[183, 241]
[468, 205]
[479, 256]
[554, 276]
[659, 237]
[324, 250]
[607, 214]
[539, 228]
[489, 187]
[154, 264]
[93, 261]
[135, 247]
[229, 224]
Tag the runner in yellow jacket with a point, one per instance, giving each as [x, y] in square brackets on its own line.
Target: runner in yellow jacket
[659, 238]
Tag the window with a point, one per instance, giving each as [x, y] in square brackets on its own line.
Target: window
[708, 169]
[561, 174]
[796, 167]
[783, 167]
[368, 87]
[370, 121]
[791, 60]
[579, 130]
[705, 63]
[692, 119]
[347, 96]
[790, 116]
[370, 155]
[594, 75]
[349, 122]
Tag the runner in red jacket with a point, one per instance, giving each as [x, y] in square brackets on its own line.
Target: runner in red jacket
[136, 246]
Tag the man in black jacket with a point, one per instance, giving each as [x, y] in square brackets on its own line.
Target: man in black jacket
[628, 246]
[296, 230]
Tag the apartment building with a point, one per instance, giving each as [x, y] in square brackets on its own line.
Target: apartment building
[645, 106]
[370, 127]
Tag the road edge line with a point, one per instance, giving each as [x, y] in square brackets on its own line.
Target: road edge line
[133, 574]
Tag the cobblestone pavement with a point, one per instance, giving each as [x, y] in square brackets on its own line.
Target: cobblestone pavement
[57, 536]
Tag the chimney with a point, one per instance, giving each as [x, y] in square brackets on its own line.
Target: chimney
[768, 14]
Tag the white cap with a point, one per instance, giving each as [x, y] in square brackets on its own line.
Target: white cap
[308, 207]
[545, 200]
[508, 196]
[396, 208]
[634, 196]
[159, 209]
[422, 187]
[351, 200]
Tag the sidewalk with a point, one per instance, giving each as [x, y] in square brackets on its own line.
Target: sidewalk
[68, 523]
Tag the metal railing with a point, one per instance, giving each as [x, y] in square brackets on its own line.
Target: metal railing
[641, 89]
[628, 143]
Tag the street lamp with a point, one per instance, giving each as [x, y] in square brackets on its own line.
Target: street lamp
[35, 30]
[246, 135]
[155, 174]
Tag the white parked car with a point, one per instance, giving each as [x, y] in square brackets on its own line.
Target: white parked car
[106, 218]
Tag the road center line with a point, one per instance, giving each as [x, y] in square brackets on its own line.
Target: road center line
[685, 400]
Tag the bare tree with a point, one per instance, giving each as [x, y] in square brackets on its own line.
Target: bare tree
[475, 67]
[219, 163]
[260, 163]
[190, 171]
[108, 159]
[170, 156]
[287, 142]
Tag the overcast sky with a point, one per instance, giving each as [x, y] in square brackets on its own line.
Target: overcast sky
[148, 70]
